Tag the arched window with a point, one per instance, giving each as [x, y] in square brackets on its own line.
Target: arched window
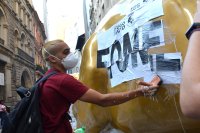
[26, 79]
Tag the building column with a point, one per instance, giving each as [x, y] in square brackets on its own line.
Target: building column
[8, 85]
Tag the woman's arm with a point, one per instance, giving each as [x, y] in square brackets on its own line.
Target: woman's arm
[190, 84]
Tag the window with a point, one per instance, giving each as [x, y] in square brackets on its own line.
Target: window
[16, 8]
[16, 34]
[1, 23]
[23, 41]
[22, 14]
[19, 10]
[3, 30]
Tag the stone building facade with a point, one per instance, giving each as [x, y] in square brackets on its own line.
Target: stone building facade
[98, 10]
[17, 48]
[41, 7]
[40, 37]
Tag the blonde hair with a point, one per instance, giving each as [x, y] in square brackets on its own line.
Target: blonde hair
[48, 48]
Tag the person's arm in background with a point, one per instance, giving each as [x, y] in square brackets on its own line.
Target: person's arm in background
[190, 84]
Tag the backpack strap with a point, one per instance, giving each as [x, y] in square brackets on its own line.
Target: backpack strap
[43, 79]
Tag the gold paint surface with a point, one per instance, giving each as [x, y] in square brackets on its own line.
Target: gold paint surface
[141, 115]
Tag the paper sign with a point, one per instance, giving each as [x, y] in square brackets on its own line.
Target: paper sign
[2, 79]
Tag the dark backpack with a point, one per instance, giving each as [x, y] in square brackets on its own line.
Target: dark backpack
[26, 117]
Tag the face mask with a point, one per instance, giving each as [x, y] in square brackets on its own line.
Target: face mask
[71, 60]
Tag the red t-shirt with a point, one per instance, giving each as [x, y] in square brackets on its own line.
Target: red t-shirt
[57, 94]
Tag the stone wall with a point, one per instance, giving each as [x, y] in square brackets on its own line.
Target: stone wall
[13, 64]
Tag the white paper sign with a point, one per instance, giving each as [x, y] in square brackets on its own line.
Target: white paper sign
[168, 67]
[2, 79]
[134, 19]
[141, 11]
[123, 49]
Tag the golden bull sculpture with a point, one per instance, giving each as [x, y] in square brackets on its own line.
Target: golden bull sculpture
[158, 114]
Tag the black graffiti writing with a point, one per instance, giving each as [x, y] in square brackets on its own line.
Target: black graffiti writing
[119, 28]
[135, 7]
[146, 1]
[163, 64]
[129, 48]
[101, 53]
[149, 39]
[123, 56]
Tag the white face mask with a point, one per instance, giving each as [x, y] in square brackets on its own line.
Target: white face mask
[70, 61]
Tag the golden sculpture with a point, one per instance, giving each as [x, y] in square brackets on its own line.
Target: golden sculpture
[160, 114]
